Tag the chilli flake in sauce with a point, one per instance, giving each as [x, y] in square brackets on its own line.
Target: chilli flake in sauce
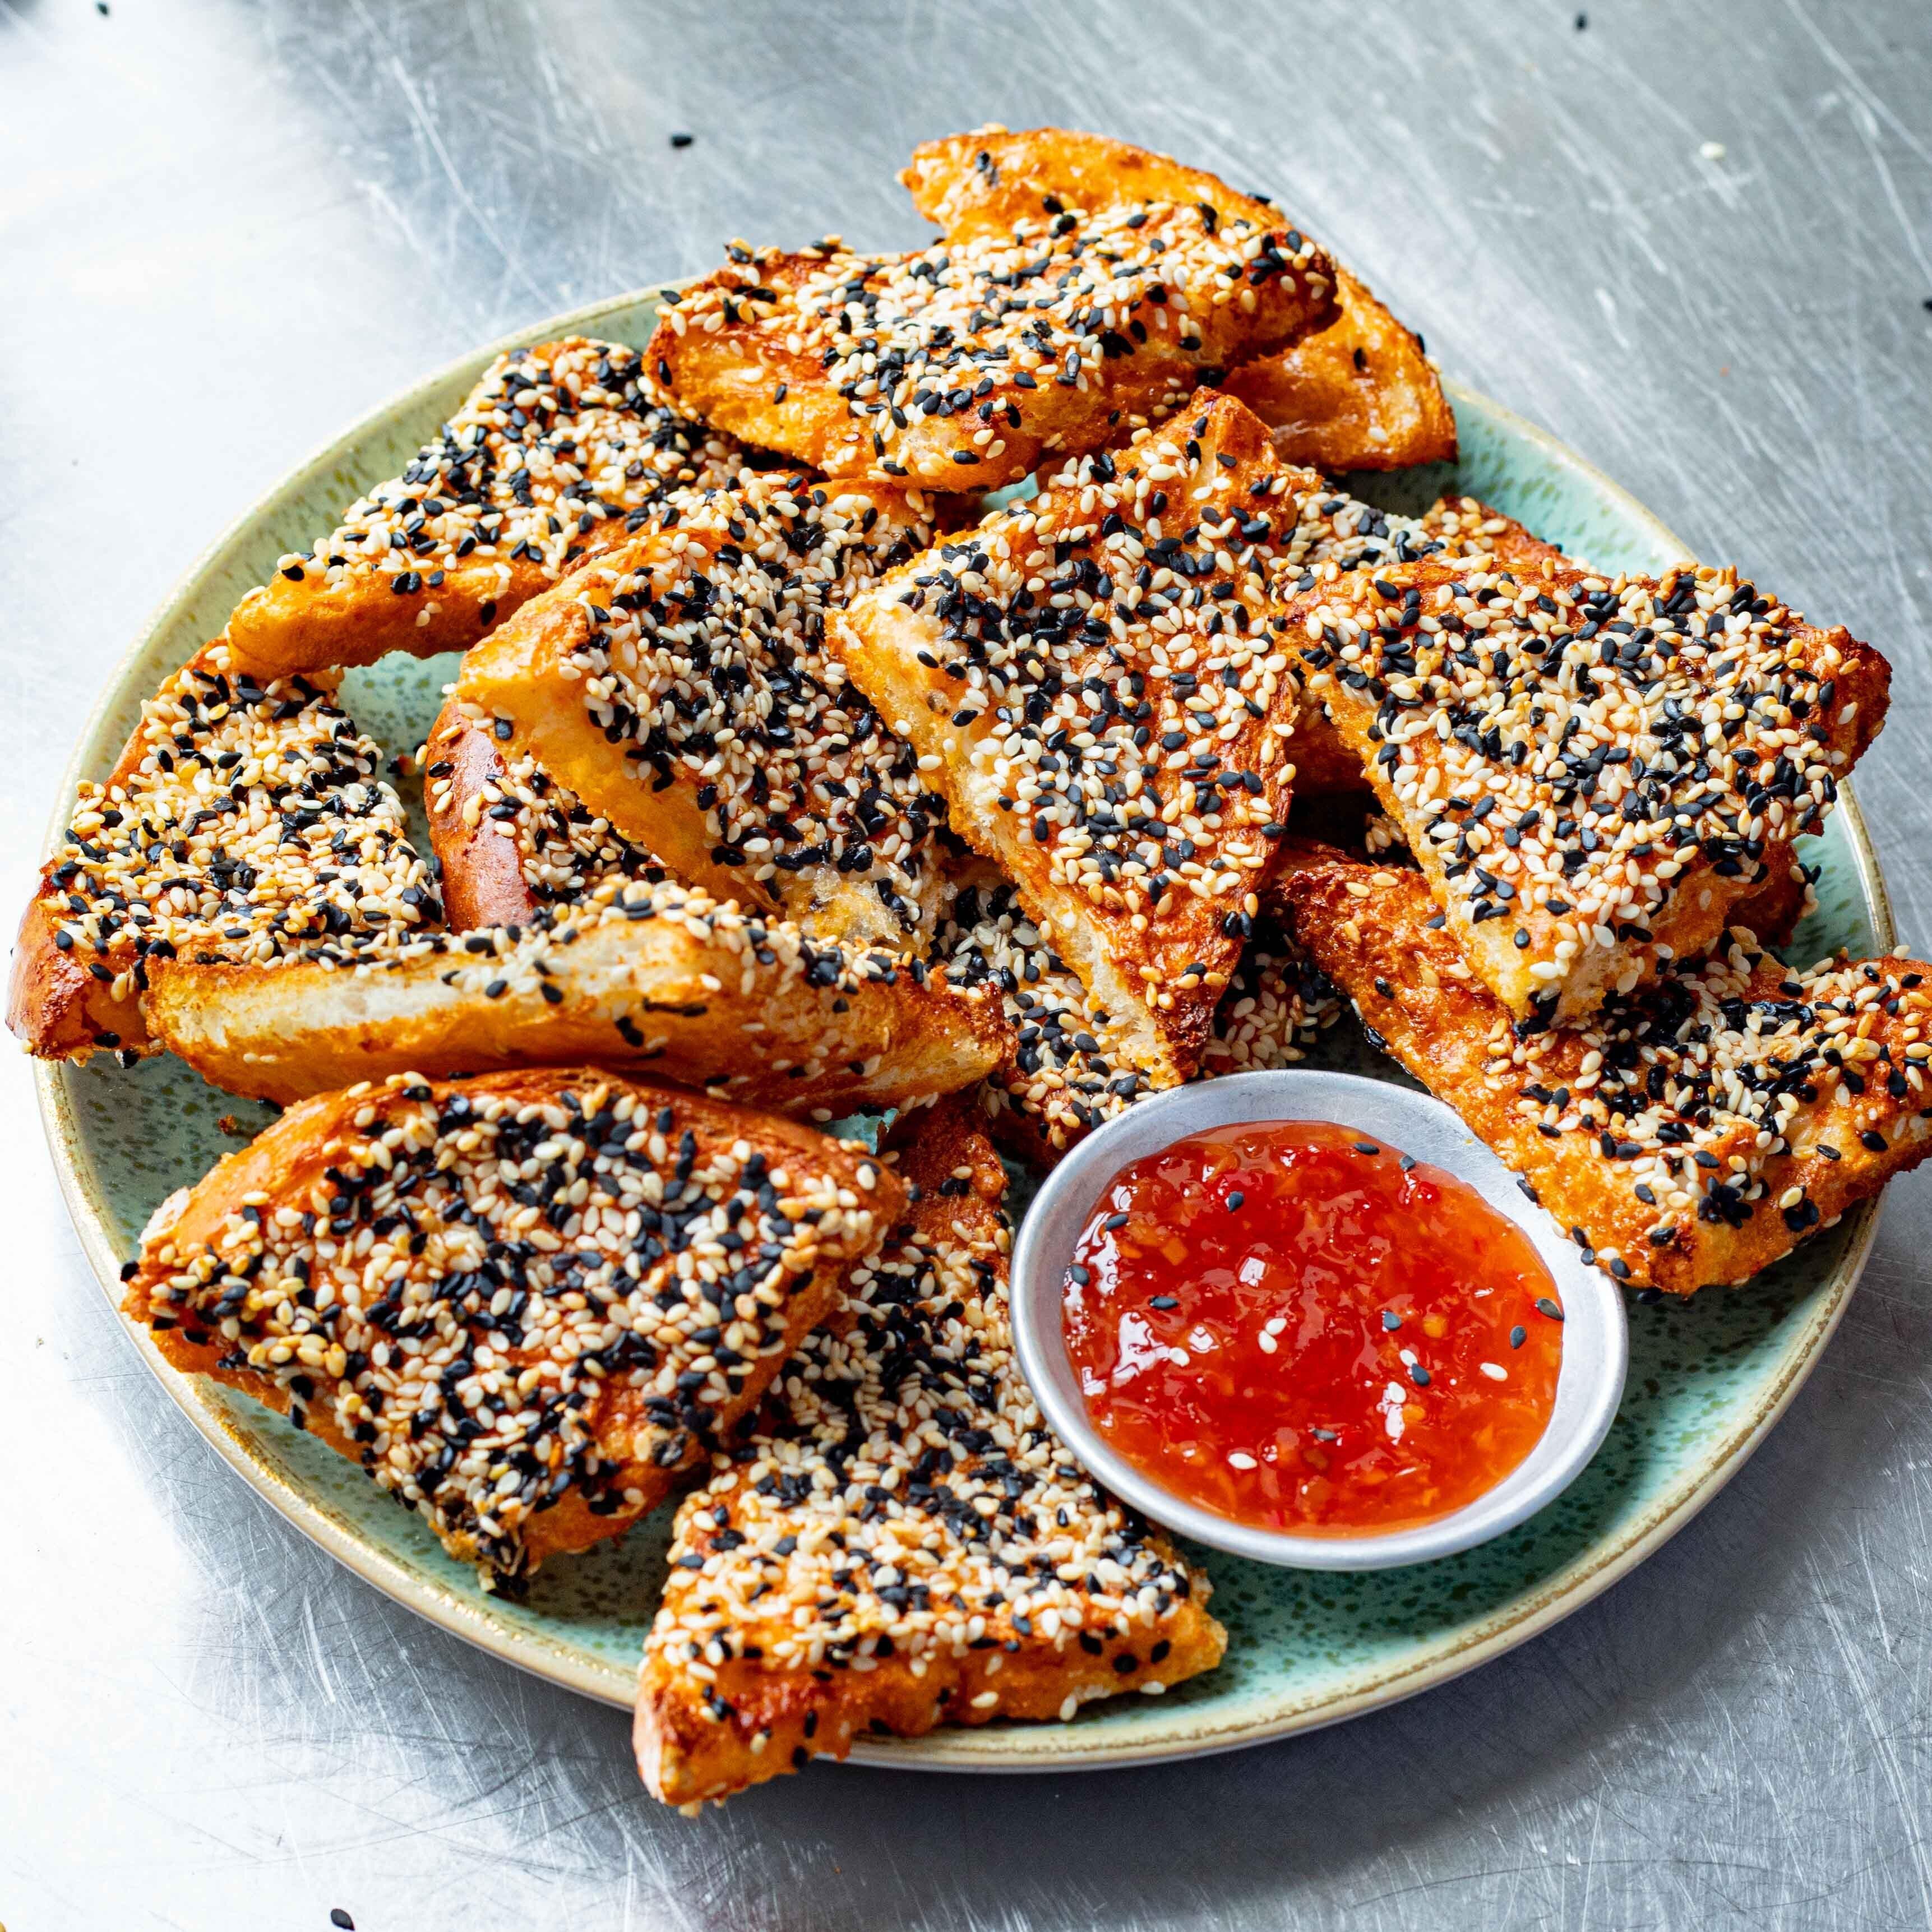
[1300, 1327]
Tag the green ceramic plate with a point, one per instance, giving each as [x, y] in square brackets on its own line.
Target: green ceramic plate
[1708, 1377]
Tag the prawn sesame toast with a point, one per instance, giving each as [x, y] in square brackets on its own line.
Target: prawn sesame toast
[1692, 1131]
[508, 837]
[901, 1543]
[752, 1010]
[1359, 393]
[242, 821]
[1070, 1070]
[1339, 533]
[1089, 678]
[527, 1306]
[561, 450]
[680, 689]
[1591, 771]
[1050, 332]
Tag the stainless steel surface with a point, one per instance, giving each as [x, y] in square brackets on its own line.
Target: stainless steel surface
[1694, 242]
[1596, 1336]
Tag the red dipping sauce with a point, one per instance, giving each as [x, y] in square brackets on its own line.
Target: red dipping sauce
[1297, 1326]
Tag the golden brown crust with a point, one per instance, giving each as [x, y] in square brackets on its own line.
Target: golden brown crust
[677, 688]
[1464, 690]
[991, 692]
[57, 1007]
[970, 197]
[1071, 1069]
[240, 821]
[510, 840]
[750, 1704]
[296, 1163]
[754, 1011]
[1360, 394]
[599, 452]
[1463, 526]
[747, 347]
[1369, 929]
[483, 882]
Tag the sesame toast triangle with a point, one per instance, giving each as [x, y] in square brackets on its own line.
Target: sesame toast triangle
[680, 689]
[244, 820]
[640, 977]
[1358, 393]
[900, 1542]
[560, 451]
[527, 1306]
[964, 365]
[1090, 679]
[1691, 1132]
[1591, 770]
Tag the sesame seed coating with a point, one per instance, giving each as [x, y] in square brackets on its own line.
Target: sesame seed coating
[640, 975]
[1072, 1069]
[498, 1295]
[1090, 676]
[243, 822]
[1358, 394]
[1691, 1131]
[903, 1540]
[964, 364]
[681, 688]
[1590, 770]
[561, 450]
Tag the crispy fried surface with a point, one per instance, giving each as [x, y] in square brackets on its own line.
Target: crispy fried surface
[1039, 335]
[1591, 772]
[679, 689]
[1089, 676]
[1359, 394]
[1071, 1068]
[800, 1610]
[507, 1300]
[509, 838]
[753, 1010]
[1339, 533]
[1640, 1129]
[242, 821]
[559, 452]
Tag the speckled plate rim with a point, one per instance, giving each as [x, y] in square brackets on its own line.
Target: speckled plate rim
[1194, 1732]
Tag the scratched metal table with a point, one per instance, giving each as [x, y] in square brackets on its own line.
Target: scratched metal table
[1696, 242]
